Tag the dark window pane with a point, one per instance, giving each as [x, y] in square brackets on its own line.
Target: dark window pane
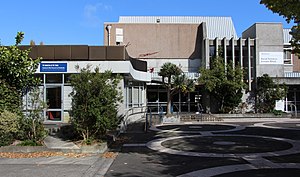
[53, 78]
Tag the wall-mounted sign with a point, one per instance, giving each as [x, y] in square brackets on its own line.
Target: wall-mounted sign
[274, 58]
[53, 67]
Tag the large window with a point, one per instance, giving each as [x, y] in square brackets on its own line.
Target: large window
[287, 56]
[134, 94]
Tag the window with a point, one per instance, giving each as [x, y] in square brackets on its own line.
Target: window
[53, 78]
[212, 51]
[287, 56]
[134, 94]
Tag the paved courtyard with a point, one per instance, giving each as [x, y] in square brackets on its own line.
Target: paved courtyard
[245, 148]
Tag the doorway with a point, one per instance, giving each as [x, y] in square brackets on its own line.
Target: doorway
[54, 102]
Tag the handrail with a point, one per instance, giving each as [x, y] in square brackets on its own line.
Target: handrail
[127, 114]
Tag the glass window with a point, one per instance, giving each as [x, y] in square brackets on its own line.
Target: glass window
[130, 97]
[67, 79]
[212, 51]
[287, 56]
[54, 115]
[53, 78]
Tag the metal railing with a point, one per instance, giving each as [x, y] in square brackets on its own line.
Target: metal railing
[190, 75]
[292, 107]
[126, 117]
[292, 74]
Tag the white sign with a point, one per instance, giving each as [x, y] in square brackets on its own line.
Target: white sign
[279, 105]
[271, 58]
[119, 38]
[119, 31]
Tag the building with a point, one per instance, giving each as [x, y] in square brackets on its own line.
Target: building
[191, 42]
[59, 62]
[136, 47]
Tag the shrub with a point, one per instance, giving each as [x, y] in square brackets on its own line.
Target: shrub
[29, 143]
[95, 98]
[9, 127]
[32, 124]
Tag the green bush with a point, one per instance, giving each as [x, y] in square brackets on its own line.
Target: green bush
[32, 130]
[9, 97]
[95, 99]
[32, 124]
[9, 127]
[277, 112]
[6, 140]
[29, 143]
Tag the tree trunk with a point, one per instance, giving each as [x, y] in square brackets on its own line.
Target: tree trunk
[169, 98]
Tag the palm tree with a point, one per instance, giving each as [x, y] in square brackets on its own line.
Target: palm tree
[174, 80]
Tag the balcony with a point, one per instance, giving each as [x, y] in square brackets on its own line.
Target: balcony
[190, 75]
[292, 74]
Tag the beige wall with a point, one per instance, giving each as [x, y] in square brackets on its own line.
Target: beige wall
[296, 63]
[159, 40]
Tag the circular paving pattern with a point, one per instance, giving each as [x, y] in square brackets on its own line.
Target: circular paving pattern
[283, 125]
[275, 172]
[245, 145]
[251, 148]
[236, 144]
[293, 125]
[196, 127]
[225, 143]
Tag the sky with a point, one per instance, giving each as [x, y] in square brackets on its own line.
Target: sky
[81, 22]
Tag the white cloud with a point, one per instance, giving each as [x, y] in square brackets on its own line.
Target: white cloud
[92, 14]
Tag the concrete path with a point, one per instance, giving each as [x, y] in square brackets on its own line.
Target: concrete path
[90, 166]
[56, 143]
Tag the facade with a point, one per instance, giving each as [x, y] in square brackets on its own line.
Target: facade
[59, 62]
[137, 47]
[191, 42]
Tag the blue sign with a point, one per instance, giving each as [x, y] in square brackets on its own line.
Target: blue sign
[53, 67]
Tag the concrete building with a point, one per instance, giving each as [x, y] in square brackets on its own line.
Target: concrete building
[59, 62]
[191, 42]
[136, 48]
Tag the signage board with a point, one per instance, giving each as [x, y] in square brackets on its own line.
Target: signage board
[274, 58]
[53, 67]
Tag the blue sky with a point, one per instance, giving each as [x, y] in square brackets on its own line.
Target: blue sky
[81, 21]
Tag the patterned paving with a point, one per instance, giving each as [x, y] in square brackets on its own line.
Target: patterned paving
[246, 148]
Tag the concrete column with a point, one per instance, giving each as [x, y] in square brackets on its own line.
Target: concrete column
[241, 51]
[217, 46]
[225, 53]
[233, 55]
[249, 63]
[207, 59]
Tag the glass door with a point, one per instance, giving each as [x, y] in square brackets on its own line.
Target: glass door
[54, 102]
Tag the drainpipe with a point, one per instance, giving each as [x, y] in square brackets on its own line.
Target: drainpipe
[108, 28]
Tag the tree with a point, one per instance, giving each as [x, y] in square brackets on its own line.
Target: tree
[32, 124]
[289, 9]
[9, 98]
[95, 99]
[17, 68]
[267, 93]
[16, 78]
[174, 80]
[225, 84]
[32, 43]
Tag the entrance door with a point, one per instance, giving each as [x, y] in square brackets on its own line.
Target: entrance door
[54, 102]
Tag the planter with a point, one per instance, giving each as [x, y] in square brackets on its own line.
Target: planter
[170, 120]
[249, 115]
[25, 149]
